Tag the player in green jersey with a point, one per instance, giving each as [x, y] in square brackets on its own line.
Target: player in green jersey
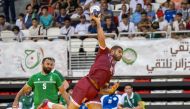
[64, 81]
[45, 85]
[130, 99]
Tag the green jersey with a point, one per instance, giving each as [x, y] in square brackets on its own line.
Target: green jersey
[59, 74]
[27, 101]
[130, 102]
[45, 87]
[61, 99]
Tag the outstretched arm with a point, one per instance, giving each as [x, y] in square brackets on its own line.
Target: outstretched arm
[101, 36]
[111, 90]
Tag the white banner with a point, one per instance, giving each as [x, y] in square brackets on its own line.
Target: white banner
[153, 57]
[24, 59]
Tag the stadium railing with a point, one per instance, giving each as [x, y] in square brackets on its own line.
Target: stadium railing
[82, 51]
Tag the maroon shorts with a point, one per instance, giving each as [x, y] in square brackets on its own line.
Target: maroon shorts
[85, 89]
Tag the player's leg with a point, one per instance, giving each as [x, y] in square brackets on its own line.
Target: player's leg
[58, 106]
[94, 106]
[95, 103]
[72, 106]
[79, 94]
[46, 104]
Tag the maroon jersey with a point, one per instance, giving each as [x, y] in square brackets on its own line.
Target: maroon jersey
[102, 62]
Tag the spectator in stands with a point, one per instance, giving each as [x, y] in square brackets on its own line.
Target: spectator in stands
[170, 13]
[145, 24]
[35, 29]
[90, 3]
[3, 24]
[110, 6]
[150, 12]
[134, 4]
[126, 25]
[20, 21]
[61, 17]
[19, 35]
[82, 27]
[46, 19]
[105, 12]
[188, 24]
[184, 11]
[9, 5]
[123, 11]
[29, 16]
[67, 29]
[109, 26]
[52, 85]
[182, 26]
[56, 9]
[41, 2]
[163, 24]
[71, 5]
[136, 16]
[130, 99]
[164, 6]
[79, 12]
[92, 28]
[155, 28]
[178, 20]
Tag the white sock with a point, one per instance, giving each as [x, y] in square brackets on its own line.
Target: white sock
[50, 104]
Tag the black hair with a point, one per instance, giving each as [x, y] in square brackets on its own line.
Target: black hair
[107, 17]
[44, 7]
[2, 16]
[179, 14]
[21, 14]
[129, 84]
[16, 28]
[35, 19]
[124, 16]
[67, 18]
[27, 6]
[48, 58]
[116, 47]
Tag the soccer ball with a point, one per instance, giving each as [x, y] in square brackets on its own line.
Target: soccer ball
[95, 10]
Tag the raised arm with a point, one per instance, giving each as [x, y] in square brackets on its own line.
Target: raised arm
[101, 36]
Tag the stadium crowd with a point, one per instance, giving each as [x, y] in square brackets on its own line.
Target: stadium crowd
[73, 16]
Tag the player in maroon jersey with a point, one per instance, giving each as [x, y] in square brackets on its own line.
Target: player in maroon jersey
[89, 87]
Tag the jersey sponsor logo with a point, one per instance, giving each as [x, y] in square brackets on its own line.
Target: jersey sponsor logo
[51, 78]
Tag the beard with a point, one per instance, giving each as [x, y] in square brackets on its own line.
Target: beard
[46, 70]
[117, 58]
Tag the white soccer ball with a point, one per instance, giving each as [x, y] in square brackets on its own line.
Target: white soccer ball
[95, 10]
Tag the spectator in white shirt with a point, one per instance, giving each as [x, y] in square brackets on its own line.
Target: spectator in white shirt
[126, 25]
[35, 29]
[163, 24]
[178, 20]
[79, 12]
[82, 27]
[67, 29]
[124, 10]
[20, 21]
[19, 35]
